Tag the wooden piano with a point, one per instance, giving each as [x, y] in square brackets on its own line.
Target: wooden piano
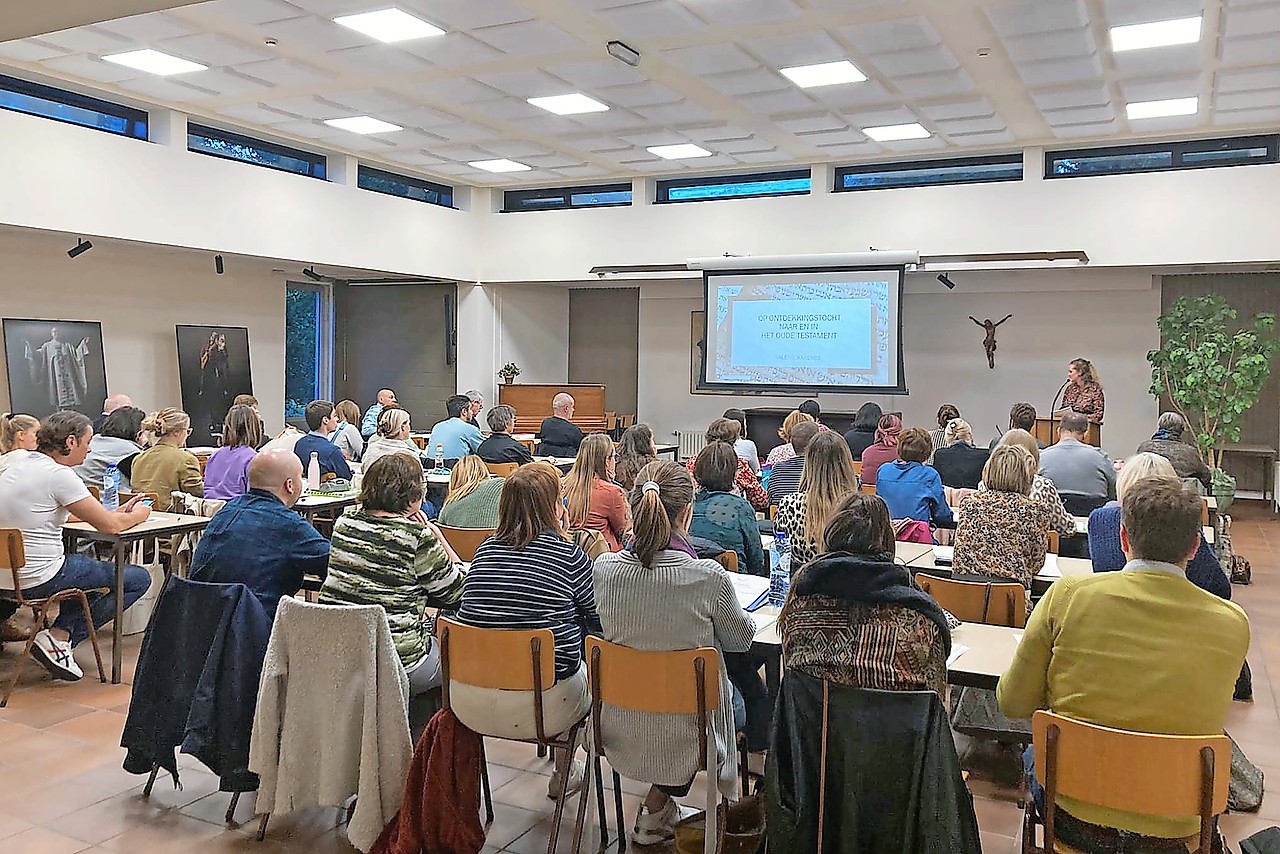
[532, 402]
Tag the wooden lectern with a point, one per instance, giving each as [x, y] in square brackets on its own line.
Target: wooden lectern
[1046, 430]
[532, 402]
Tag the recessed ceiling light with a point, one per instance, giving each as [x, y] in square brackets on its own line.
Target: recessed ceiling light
[890, 133]
[154, 62]
[568, 105]
[389, 25]
[824, 74]
[1156, 34]
[501, 165]
[362, 124]
[1161, 109]
[683, 151]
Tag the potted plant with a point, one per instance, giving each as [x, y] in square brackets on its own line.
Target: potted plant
[1212, 369]
[509, 372]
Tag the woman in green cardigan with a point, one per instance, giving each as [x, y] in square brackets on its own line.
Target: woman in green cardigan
[473, 496]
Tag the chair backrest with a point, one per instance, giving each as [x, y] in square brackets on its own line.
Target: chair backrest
[1078, 504]
[13, 556]
[1204, 511]
[1159, 775]
[465, 541]
[728, 559]
[501, 469]
[857, 467]
[1053, 542]
[420, 441]
[869, 488]
[992, 603]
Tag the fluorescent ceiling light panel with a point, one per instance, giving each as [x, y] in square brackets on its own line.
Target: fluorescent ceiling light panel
[891, 133]
[154, 62]
[824, 74]
[389, 25]
[568, 105]
[362, 124]
[683, 151]
[1156, 34]
[501, 165]
[1162, 109]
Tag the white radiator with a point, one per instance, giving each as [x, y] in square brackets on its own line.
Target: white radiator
[691, 442]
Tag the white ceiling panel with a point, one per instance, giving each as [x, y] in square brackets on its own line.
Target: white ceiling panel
[809, 123]
[509, 110]
[733, 13]
[748, 82]
[370, 101]
[464, 133]
[709, 59]
[1084, 96]
[1167, 60]
[525, 84]
[1260, 50]
[89, 68]
[469, 15]
[415, 157]
[962, 126]
[1002, 137]
[1080, 115]
[152, 27]
[460, 90]
[252, 12]
[770, 156]
[596, 73]
[528, 38]
[854, 95]
[797, 49]
[451, 50]
[678, 113]
[91, 39]
[881, 118]
[1055, 72]
[909, 62]
[225, 82]
[255, 114]
[1037, 16]
[518, 149]
[422, 117]
[1060, 44]
[714, 133]
[315, 33]
[1248, 117]
[786, 101]
[1264, 98]
[1251, 20]
[378, 59]
[639, 95]
[1099, 130]
[304, 107]
[742, 146]
[891, 36]
[935, 85]
[584, 171]
[285, 72]
[1122, 12]
[656, 19]
[1159, 90]
[164, 89]
[30, 50]
[907, 146]
[851, 150]
[1245, 81]
[968, 109]
[213, 50]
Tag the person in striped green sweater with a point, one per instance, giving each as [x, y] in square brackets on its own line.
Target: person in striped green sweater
[473, 496]
[387, 553]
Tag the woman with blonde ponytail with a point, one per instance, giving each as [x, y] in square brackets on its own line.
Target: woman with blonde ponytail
[167, 467]
[17, 437]
[657, 595]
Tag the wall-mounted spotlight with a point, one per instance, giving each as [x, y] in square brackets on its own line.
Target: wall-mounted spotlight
[81, 247]
[623, 52]
[310, 273]
[946, 280]
[217, 264]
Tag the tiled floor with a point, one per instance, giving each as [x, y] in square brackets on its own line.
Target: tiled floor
[62, 789]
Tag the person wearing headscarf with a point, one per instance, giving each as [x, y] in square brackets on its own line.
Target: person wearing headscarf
[884, 449]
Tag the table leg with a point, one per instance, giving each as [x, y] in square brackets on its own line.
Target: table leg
[117, 625]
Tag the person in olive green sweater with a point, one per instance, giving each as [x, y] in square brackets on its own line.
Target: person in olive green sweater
[167, 467]
[1143, 650]
[473, 496]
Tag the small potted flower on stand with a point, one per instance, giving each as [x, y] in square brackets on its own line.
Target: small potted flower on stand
[509, 372]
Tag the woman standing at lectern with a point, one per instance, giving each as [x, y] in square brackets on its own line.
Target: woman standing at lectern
[1084, 393]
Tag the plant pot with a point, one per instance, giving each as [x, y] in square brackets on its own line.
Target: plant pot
[508, 380]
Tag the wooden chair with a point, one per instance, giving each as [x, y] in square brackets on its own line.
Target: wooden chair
[857, 468]
[868, 489]
[502, 469]
[1053, 542]
[420, 441]
[1204, 512]
[1129, 771]
[728, 559]
[989, 602]
[681, 682]
[465, 541]
[13, 557]
[509, 660]
[531, 444]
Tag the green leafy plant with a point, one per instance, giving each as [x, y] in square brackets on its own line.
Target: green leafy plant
[1212, 367]
[509, 371]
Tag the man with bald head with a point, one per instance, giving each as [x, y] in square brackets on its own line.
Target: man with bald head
[110, 405]
[258, 540]
[560, 436]
[369, 424]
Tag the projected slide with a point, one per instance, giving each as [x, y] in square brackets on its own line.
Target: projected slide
[826, 330]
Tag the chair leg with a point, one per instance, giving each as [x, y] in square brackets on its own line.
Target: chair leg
[93, 635]
[151, 781]
[262, 827]
[744, 770]
[617, 807]
[22, 659]
[600, 807]
[580, 822]
[565, 766]
[484, 785]
[231, 808]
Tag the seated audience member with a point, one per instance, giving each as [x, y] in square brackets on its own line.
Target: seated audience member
[18, 439]
[347, 437]
[959, 463]
[258, 540]
[594, 501]
[118, 444]
[721, 516]
[811, 408]
[911, 489]
[226, 474]
[392, 437]
[657, 595]
[1169, 443]
[560, 436]
[783, 452]
[1075, 468]
[251, 401]
[455, 436]
[1105, 550]
[369, 424]
[1002, 531]
[947, 412]
[784, 477]
[884, 449]
[500, 447]
[529, 576]
[1042, 489]
[744, 446]
[286, 439]
[38, 492]
[863, 433]
[745, 483]
[387, 553]
[1142, 650]
[635, 451]
[473, 496]
[322, 421]
[110, 405]
[475, 405]
[827, 481]
[167, 467]
[1022, 416]
[854, 616]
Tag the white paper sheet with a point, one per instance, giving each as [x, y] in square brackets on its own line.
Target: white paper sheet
[752, 590]
[944, 554]
[1050, 568]
[957, 650]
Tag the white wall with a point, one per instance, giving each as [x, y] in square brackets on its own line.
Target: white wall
[139, 295]
[1107, 317]
[523, 323]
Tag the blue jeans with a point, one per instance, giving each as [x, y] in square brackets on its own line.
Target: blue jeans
[85, 572]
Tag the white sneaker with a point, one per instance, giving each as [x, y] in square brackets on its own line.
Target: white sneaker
[55, 656]
[556, 788]
[654, 828]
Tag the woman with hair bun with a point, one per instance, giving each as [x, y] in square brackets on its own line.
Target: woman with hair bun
[167, 467]
[17, 437]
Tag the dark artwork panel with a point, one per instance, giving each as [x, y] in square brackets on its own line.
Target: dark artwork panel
[55, 365]
[213, 367]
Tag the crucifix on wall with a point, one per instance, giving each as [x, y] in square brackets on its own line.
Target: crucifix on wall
[989, 343]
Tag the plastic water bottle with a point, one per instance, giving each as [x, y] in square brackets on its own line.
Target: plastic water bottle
[779, 569]
[111, 488]
[440, 458]
[313, 472]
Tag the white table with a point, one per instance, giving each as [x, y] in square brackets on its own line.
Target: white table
[313, 504]
[1082, 524]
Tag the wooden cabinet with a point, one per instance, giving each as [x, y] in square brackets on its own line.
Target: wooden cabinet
[532, 402]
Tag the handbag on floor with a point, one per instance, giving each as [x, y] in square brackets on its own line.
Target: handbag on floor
[1246, 789]
[740, 828]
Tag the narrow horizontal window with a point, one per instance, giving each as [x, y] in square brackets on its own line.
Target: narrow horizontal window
[925, 173]
[796, 182]
[1162, 156]
[22, 96]
[418, 189]
[233, 146]
[564, 198]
